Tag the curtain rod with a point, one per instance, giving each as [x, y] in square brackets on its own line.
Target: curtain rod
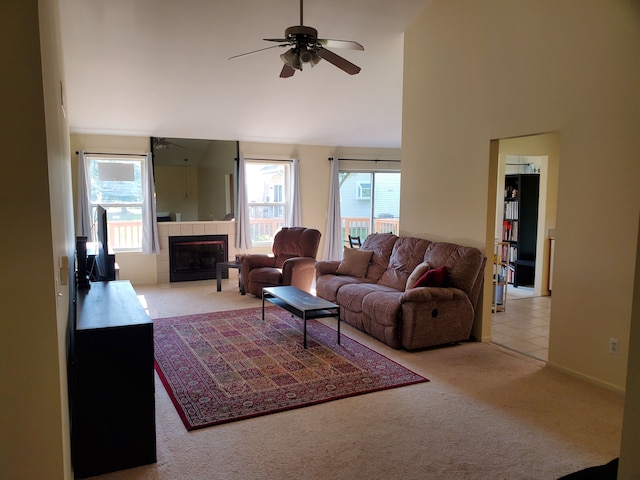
[267, 160]
[364, 160]
[123, 154]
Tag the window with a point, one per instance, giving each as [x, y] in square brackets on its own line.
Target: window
[364, 191]
[115, 182]
[269, 198]
[369, 202]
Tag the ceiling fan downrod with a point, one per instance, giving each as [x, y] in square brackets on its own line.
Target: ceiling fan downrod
[301, 13]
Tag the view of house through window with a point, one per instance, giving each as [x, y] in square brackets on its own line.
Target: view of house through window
[369, 203]
[115, 182]
[269, 198]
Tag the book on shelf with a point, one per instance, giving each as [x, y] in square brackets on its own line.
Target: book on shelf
[511, 210]
[510, 230]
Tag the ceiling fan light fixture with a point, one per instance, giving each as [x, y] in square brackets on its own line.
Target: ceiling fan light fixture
[315, 59]
[290, 58]
[307, 55]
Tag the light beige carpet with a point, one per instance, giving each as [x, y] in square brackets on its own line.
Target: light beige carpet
[486, 414]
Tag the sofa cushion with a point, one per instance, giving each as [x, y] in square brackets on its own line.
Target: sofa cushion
[355, 262]
[463, 264]
[381, 244]
[435, 277]
[327, 286]
[269, 275]
[407, 252]
[420, 270]
[381, 314]
[350, 297]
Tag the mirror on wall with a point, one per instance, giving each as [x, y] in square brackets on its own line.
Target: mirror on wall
[194, 179]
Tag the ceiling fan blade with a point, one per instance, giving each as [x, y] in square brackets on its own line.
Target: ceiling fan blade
[256, 51]
[338, 61]
[351, 45]
[279, 40]
[163, 143]
[287, 71]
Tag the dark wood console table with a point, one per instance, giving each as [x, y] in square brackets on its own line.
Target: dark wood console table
[113, 391]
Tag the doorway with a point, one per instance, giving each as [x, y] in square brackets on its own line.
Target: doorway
[522, 323]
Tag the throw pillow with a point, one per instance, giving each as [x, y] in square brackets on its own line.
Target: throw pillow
[420, 270]
[355, 262]
[436, 277]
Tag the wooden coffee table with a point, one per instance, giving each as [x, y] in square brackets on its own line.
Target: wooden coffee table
[301, 304]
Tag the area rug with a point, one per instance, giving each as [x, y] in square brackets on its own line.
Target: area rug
[226, 366]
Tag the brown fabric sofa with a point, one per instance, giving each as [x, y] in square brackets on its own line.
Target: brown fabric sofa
[382, 304]
[292, 263]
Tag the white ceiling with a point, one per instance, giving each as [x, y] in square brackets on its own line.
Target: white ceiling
[161, 68]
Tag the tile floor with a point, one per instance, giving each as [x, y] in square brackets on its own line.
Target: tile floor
[524, 325]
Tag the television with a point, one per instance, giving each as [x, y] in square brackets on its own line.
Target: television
[102, 263]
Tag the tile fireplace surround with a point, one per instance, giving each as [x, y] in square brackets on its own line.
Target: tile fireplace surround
[176, 229]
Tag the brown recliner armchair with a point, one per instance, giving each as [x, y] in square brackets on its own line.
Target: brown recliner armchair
[292, 263]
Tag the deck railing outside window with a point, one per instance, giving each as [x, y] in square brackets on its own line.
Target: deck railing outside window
[361, 227]
[124, 234]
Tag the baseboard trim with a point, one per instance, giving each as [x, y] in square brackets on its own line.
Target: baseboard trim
[587, 378]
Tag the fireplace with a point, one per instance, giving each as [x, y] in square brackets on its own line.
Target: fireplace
[194, 257]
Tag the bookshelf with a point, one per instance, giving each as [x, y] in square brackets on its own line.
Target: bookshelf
[501, 266]
[520, 226]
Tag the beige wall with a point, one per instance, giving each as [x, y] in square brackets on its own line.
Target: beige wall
[518, 68]
[34, 201]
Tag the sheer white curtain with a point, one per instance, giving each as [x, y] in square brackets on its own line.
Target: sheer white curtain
[243, 236]
[83, 228]
[333, 248]
[150, 240]
[295, 217]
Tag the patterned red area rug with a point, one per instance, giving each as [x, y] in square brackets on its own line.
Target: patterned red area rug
[226, 366]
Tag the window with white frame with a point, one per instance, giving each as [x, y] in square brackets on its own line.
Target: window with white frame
[364, 191]
[115, 182]
[268, 196]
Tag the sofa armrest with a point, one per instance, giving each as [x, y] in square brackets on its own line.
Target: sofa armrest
[429, 294]
[295, 266]
[257, 260]
[326, 267]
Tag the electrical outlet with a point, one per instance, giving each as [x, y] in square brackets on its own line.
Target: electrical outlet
[614, 346]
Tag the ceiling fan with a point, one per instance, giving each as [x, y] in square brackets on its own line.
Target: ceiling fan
[306, 47]
[162, 143]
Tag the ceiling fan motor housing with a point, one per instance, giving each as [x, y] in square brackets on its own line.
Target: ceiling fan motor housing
[298, 31]
[305, 39]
